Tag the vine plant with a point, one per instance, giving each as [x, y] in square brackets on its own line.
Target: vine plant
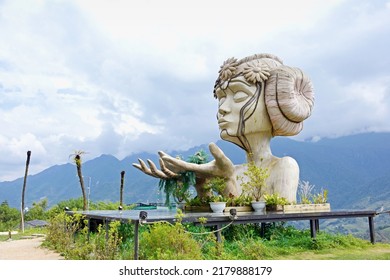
[178, 187]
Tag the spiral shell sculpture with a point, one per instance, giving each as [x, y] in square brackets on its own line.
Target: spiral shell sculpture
[289, 98]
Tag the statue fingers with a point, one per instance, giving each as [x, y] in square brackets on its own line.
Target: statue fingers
[155, 171]
[142, 166]
[167, 171]
[175, 165]
[179, 164]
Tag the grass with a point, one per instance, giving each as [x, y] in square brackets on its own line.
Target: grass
[378, 251]
[27, 232]
[240, 243]
[288, 243]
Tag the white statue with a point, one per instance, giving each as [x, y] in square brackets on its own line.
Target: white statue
[258, 98]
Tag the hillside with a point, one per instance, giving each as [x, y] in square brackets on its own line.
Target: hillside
[355, 169]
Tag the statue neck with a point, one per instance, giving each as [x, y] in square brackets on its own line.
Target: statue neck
[260, 147]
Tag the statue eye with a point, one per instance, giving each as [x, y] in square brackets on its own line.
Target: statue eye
[240, 96]
[221, 96]
[221, 100]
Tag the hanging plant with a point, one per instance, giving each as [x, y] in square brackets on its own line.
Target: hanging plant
[178, 187]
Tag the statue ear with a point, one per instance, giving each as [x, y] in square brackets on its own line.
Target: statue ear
[289, 98]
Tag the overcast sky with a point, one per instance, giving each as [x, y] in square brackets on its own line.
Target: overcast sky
[119, 77]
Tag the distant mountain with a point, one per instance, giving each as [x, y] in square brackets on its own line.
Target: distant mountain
[355, 169]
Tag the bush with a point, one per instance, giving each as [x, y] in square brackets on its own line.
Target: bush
[37, 211]
[9, 217]
[69, 235]
[168, 242]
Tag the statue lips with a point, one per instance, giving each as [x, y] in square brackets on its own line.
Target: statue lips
[222, 123]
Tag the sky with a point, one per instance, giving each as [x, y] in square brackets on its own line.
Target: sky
[121, 77]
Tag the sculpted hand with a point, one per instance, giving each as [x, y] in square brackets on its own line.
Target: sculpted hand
[221, 166]
[170, 167]
[152, 170]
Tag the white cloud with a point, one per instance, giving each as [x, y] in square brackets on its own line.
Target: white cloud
[125, 76]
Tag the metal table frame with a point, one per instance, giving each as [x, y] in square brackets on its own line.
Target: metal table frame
[220, 219]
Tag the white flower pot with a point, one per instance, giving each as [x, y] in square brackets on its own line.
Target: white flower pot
[258, 206]
[217, 207]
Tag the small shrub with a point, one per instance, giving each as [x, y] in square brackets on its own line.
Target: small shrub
[9, 217]
[106, 248]
[253, 249]
[61, 233]
[168, 242]
[254, 181]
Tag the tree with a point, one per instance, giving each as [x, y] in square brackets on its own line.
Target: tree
[24, 189]
[121, 188]
[37, 211]
[9, 217]
[77, 160]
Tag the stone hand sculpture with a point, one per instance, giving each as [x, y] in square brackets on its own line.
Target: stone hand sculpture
[258, 98]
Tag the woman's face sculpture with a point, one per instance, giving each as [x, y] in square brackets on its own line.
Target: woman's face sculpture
[241, 111]
[259, 95]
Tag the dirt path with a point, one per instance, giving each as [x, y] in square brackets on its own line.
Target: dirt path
[26, 249]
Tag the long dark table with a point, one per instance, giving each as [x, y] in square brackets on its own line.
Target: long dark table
[220, 219]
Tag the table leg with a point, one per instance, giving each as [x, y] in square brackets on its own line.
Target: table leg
[218, 233]
[262, 230]
[313, 231]
[317, 224]
[136, 240]
[106, 224]
[89, 229]
[372, 229]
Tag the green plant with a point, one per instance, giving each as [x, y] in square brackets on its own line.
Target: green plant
[178, 187]
[217, 198]
[198, 201]
[69, 235]
[62, 231]
[37, 211]
[9, 217]
[216, 185]
[106, 247]
[242, 200]
[168, 242]
[202, 220]
[274, 199]
[321, 197]
[254, 181]
[305, 191]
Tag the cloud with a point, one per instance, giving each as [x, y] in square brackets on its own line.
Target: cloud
[122, 77]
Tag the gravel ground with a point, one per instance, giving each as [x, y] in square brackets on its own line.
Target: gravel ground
[26, 249]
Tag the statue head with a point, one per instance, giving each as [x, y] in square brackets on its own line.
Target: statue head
[258, 94]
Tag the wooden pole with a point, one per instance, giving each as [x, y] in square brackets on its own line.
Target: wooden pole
[121, 188]
[24, 190]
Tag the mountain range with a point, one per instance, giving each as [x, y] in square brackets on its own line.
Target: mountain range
[354, 169]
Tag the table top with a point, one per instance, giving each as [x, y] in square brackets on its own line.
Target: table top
[170, 215]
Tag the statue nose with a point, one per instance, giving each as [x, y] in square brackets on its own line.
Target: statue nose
[224, 108]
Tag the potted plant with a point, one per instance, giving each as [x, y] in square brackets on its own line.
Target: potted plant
[217, 201]
[254, 184]
[309, 202]
[241, 203]
[274, 202]
[198, 204]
